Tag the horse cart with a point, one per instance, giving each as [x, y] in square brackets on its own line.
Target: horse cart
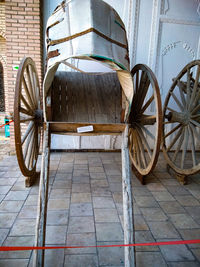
[77, 100]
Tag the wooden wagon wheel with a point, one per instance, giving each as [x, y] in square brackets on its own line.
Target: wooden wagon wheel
[145, 121]
[181, 121]
[27, 117]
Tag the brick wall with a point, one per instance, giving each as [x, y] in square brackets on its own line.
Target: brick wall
[23, 38]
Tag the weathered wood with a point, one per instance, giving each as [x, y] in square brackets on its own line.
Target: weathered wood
[80, 97]
[127, 202]
[40, 230]
[57, 127]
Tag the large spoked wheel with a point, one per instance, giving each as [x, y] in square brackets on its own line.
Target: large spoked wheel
[181, 121]
[27, 117]
[145, 121]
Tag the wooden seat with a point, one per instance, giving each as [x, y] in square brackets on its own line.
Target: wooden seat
[80, 97]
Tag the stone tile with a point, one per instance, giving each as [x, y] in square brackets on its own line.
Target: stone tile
[60, 193]
[20, 186]
[146, 202]
[81, 188]
[81, 225]
[169, 181]
[58, 204]
[28, 212]
[196, 253]
[117, 196]
[60, 184]
[54, 257]
[103, 202]
[23, 227]
[14, 262]
[177, 190]
[188, 201]
[63, 176]
[7, 181]
[17, 195]
[12, 174]
[153, 214]
[80, 173]
[176, 252]
[81, 179]
[31, 200]
[172, 207]
[81, 197]
[183, 221]
[10, 206]
[189, 234]
[156, 187]
[109, 232]
[110, 256]
[86, 260]
[7, 219]
[116, 187]
[81, 209]
[3, 235]
[101, 192]
[195, 193]
[145, 237]
[17, 241]
[80, 167]
[183, 264]
[85, 239]
[96, 169]
[140, 191]
[56, 234]
[163, 196]
[1, 197]
[153, 259]
[99, 183]
[114, 178]
[4, 189]
[106, 215]
[95, 175]
[194, 212]
[57, 217]
[163, 230]
[139, 223]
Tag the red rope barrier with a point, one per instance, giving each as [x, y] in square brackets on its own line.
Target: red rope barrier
[6, 124]
[164, 243]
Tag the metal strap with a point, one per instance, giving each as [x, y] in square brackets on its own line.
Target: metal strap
[65, 39]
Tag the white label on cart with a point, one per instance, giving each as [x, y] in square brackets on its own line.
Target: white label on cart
[85, 129]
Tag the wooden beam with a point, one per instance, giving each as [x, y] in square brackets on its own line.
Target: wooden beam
[127, 202]
[99, 129]
[38, 260]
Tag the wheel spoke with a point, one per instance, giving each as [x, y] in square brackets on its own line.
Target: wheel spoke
[27, 145]
[30, 148]
[26, 104]
[194, 130]
[147, 104]
[195, 95]
[178, 147]
[181, 94]
[173, 130]
[197, 108]
[188, 87]
[148, 119]
[28, 93]
[28, 130]
[30, 84]
[177, 101]
[193, 147]
[185, 144]
[195, 123]
[174, 140]
[25, 111]
[145, 142]
[142, 152]
[147, 132]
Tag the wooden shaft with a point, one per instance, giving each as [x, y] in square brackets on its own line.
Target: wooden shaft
[40, 231]
[127, 202]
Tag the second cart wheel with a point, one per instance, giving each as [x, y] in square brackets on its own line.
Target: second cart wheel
[145, 121]
[27, 117]
[181, 121]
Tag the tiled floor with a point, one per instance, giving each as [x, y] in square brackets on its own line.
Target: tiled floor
[85, 208]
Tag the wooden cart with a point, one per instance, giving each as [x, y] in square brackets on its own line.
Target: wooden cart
[181, 122]
[120, 102]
